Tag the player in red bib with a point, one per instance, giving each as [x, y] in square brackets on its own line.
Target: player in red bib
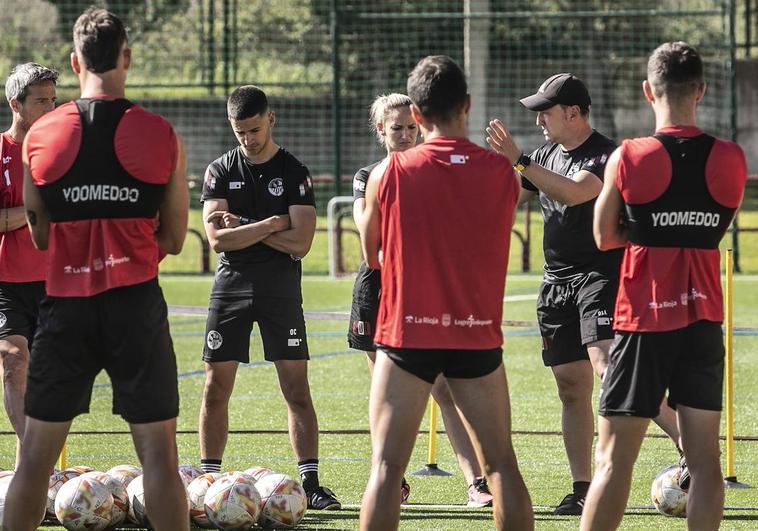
[98, 171]
[667, 199]
[30, 90]
[441, 213]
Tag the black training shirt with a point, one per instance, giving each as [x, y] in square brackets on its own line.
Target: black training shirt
[361, 180]
[567, 241]
[258, 191]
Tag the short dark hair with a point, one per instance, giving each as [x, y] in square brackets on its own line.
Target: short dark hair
[99, 36]
[675, 69]
[27, 75]
[437, 86]
[245, 102]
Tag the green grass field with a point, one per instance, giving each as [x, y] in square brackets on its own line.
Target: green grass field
[339, 381]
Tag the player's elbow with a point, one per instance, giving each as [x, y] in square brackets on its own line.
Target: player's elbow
[605, 241]
[171, 245]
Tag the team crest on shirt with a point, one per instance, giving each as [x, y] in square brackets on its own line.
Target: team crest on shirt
[3, 319]
[446, 319]
[214, 340]
[276, 187]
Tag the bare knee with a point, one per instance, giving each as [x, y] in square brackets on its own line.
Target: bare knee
[15, 362]
[217, 392]
[297, 396]
[573, 391]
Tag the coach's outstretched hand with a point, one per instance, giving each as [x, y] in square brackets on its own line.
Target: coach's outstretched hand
[501, 141]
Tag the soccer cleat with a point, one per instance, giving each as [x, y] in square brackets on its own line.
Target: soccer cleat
[479, 494]
[684, 474]
[405, 492]
[323, 499]
[572, 504]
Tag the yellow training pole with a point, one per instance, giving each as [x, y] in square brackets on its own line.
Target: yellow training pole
[431, 468]
[61, 464]
[431, 458]
[729, 324]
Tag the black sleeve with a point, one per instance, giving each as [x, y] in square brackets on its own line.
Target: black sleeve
[298, 184]
[215, 182]
[359, 183]
[526, 184]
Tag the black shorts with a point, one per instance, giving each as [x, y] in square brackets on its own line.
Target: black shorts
[230, 322]
[427, 363]
[689, 362]
[573, 314]
[124, 331]
[366, 293]
[19, 308]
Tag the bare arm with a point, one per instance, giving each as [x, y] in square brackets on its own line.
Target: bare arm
[36, 213]
[173, 212]
[12, 218]
[371, 221]
[607, 226]
[525, 195]
[359, 205]
[226, 234]
[298, 238]
[579, 189]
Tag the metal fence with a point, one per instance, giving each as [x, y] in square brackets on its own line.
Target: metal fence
[323, 61]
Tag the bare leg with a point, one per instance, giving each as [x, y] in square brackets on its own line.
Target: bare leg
[396, 406]
[619, 442]
[456, 431]
[27, 494]
[303, 424]
[485, 405]
[14, 354]
[156, 448]
[700, 432]
[577, 422]
[214, 410]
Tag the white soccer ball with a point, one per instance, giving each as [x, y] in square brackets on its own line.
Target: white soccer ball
[137, 510]
[283, 501]
[258, 472]
[118, 491]
[666, 494]
[232, 503]
[188, 473]
[196, 494]
[124, 474]
[84, 504]
[57, 480]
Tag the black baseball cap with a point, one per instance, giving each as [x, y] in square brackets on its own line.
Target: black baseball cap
[560, 89]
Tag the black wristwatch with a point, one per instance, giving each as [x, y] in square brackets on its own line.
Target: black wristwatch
[522, 162]
[245, 221]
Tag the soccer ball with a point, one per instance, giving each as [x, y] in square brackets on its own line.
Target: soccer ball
[84, 504]
[258, 472]
[666, 494]
[118, 491]
[283, 501]
[124, 474]
[57, 479]
[136, 493]
[196, 494]
[232, 503]
[188, 473]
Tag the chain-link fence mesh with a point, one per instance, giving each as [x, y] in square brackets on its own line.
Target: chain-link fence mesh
[322, 62]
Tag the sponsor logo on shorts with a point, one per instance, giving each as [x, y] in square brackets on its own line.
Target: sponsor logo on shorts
[276, 187]
[294, 342]
[603, 319]
[3, 319]
[235, 185]
[214, 340]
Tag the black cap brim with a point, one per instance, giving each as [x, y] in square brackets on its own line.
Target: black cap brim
[537, 102]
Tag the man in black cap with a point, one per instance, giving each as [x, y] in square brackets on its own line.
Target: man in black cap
[577, 296]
